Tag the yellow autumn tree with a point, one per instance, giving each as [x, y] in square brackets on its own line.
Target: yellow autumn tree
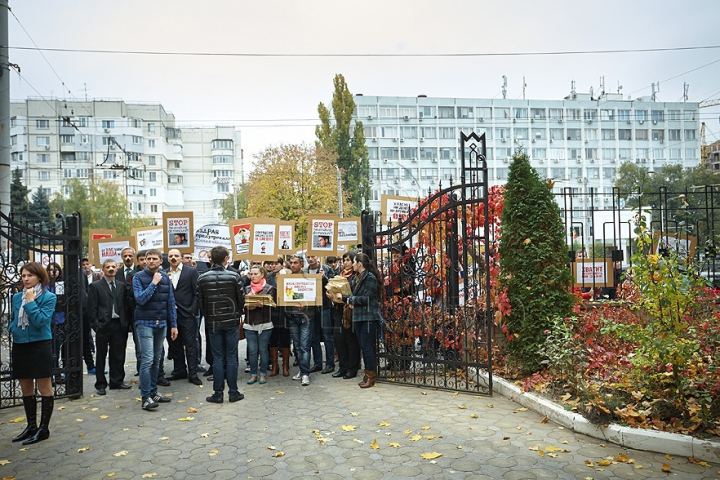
[289, 182]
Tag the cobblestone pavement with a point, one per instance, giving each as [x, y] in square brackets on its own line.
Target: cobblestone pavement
[327, 430]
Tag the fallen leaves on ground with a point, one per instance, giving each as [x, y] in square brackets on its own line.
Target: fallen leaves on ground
[462, 407]
[348, 428]
[394, 445]
[103, 417]
[186, 419]
[213, 452]
[665, 467]
[415, 438]
[473, 415]
[383, 424]
[120, 454]
[279, 454]
[192, 410]
[164, 438]
[271, 447]
[17, 420]
[430, 455]
[204, 435]
[4, 462]
[354, 414]
[84, 449]
[358, 441]
[374, 445]
[149, 475]
[425, 428]
[522, 409]
[407, 432]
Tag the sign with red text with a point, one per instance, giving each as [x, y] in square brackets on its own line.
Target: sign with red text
[396, 209]
[300, 289]
[349, 231]
[593, 272]
[240, 236]
[110, 249]
[263, 240]
[179, 230]
[285, 237]
[322, 235]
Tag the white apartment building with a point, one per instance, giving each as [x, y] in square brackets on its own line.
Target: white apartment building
[580, 141]
[138, 145]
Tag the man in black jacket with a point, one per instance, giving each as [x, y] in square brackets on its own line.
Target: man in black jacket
[184, 281]
[106, 314]
[220, 296]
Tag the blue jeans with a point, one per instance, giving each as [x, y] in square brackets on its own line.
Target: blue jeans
[301, 334]
[258, 341]
[151, 355]
[224, 345]
[366, 333]
[322, 331]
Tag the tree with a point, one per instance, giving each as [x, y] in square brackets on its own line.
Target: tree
[533, 258]
[347, 142]
[235, 205]
[291, 181]
[39, 211]
[101, 204]
[19, 205]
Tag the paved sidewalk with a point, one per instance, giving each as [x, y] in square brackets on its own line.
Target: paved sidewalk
[282, 430]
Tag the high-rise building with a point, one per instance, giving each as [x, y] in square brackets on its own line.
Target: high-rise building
[580, 141]
[159, 166]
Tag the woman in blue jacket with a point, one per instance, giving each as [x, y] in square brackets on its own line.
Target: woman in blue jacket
[32, 358]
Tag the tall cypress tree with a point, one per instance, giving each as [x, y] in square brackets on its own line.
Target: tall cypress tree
[19, 205]
[533, 258]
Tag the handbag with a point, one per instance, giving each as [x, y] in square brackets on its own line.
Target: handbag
[347, 317]
[241, 332]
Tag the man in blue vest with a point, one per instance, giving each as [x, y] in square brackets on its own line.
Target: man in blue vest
[154, 312]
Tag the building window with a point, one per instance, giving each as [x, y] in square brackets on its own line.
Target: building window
[109, 174]
[152, 176]
[13, 122]
[537, 113]
[67, 190]
[465, 112]
[590, 114]
[539, 153]
[84, 139]
[593, 172]
[520, 113]
[222, 144]
[557, 172]
[591, 153]
[502, 112]
[608, 153]
[107, 141]
[447, 132]
[574, 134]
[153, 192]
[538, 133]
[108, 124]
[151, 160]
[151, 143]
[43, 158]
[641, 134]
[389, 153]
[502, 132]
[428, 132]
[428, 112]
[625, 153]
[675, 153]
[608, 133]
[483, 112]
[370, 132]
[17, 157]
[82, 122]
[625, 134]
[591, 134]
[642, 153]
[447, 153]
[641, 115]
[690, 135]
[501, 173]
[446, 112]
[428, 153]
[388, 111]
[691, 154]
[657, 115]
[372, 153]
[689, 115]
[136, 140]
[658, 135]
[659, 153]
[408, 132]
[153, 208]
[43, 175]
[75, 173]
[674, 135]
[624, 115]
[556, 114]
[67, 139]
[521, 133]
[42, 124]
[607, 114]
[556, 133]
[13, 140]
[573, 114]
[408, 152]
[42, 141]
[83, 156]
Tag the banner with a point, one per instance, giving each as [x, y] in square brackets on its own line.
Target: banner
[209, 236]
[178, 231]
[396, 208]
[322, 235]
[348, 231]
[240, 230]
[111, 248]
[595, 272]
[299, 289]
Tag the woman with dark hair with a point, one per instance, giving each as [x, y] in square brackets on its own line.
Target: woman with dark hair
[280, 337]
[56, 286]
[346, 342]
[258, 324]
[365, 305]
[32, 359]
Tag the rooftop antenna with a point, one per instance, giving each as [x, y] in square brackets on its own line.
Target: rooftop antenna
[686, 88]
[619, 88]
[591, 93]
[85, 85]
[504, 87]
[524, 85]
[572, 88]
[655, 90]
[602, 86]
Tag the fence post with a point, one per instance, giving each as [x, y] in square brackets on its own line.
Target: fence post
[451, 250]
[75, 294]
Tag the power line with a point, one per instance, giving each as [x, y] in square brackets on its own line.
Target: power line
[363, 55]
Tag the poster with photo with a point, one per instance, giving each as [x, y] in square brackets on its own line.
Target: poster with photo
[240, 237]
[684, 245]
[110, 249]
[593, 272]
[97, 234]
[299, 289]
[209, 236]
[262, 240]
[149, 237]
[348, 231]
[322, 235]
[46, 258]
[179, 231]
[285, 237]
[396, 209]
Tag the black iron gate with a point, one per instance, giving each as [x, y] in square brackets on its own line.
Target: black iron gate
[57, 242]
[435, 263]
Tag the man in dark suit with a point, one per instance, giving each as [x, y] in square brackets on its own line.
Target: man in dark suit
[106, 315]
[184, 347]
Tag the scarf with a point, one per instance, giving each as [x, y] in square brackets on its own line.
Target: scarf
[257, 287]
[22, 314]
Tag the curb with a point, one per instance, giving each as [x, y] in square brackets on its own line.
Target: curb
[635, 438]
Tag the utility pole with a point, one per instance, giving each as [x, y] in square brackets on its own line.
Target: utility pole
[4, 110]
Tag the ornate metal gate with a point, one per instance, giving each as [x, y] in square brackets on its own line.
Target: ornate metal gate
[45, 242]
[436, 262]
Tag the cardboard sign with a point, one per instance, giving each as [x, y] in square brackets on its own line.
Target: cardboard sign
[97, 234]
[396, 209]
[263, 239]
[322, 235]
[285, 237]
[179, 230]
[209, 236]
[240, 237]
[349, 231]
[299, 289]
[149, 237]
[683, 245]
[593, 272]
[111, 248]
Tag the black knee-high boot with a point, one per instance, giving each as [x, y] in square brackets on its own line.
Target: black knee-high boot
[30, 405]
[43, 431]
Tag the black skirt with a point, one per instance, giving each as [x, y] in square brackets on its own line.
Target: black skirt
[32, 360]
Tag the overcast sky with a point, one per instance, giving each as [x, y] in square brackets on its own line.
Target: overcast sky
[274, 99]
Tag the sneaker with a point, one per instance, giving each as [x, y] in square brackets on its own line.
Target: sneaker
[160, 399]
[149, 404]
[91, 371]
[236, 397]
[247, 369]
[298, 376]
[215, 399]
[305, 380]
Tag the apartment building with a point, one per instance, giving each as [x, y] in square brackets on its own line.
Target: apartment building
[580, 141]
[139, 146]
